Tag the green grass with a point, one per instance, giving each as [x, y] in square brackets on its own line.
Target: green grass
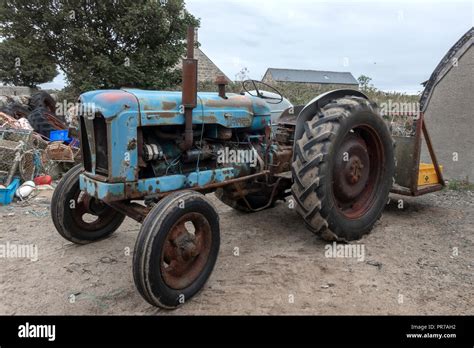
[460, 185]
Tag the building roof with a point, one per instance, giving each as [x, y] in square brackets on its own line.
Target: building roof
[209, 64]
[458, 49]
[207, 69]
[312, 76]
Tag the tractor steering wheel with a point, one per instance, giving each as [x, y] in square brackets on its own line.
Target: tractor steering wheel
[259, 94]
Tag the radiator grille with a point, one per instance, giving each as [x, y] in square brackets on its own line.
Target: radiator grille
[99, 148]
[85, 147]
[101, 151]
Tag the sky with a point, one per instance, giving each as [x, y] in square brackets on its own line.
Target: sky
[396, 43]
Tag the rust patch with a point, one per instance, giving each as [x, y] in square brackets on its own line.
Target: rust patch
[97, 177]
[162, 114]
[146, 106]
[213, 177]
[208, 119]
[115, 96]
[168, 105]
[233, 102]
[132, 210]
[132, 144]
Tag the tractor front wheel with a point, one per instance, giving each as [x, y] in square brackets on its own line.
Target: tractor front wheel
[176, 249]
[343, 168]
[78, 217]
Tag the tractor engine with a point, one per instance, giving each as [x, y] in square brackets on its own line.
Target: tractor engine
[134, 142]
[218, 148]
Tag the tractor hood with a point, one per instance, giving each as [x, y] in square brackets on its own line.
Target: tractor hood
[237, 111]
[165, 108]
[165, 101]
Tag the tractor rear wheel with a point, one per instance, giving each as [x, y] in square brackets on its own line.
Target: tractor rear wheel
[343, 169]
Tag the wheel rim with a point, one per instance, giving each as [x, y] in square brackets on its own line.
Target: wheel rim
[357, 171]
[90, 214]
[186, 251]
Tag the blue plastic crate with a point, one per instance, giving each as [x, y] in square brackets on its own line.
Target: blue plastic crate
[60, 135]
[6, 194]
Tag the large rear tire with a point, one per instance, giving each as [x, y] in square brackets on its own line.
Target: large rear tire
[343, 168]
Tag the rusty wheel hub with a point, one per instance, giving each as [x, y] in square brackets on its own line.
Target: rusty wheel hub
[186, 250]
[356, 171]
[100, 214]
[351, 168]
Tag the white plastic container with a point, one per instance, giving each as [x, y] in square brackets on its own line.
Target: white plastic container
[25, 189]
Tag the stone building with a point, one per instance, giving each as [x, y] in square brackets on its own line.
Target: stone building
[317, 79]
[447, 102]
[207, 70]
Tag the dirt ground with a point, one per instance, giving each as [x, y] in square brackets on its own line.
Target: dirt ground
[418, 260]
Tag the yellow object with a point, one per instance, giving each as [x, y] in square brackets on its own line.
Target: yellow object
[427, 174]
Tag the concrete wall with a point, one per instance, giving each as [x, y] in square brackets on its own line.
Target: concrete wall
[7, 90]
[450, 120]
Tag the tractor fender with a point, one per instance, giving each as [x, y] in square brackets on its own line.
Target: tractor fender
[317, 103]
[110, 103]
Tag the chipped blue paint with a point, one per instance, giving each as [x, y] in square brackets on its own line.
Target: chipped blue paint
[100, 190]
[109, 102]
[123, 147]
[144, 187]
[162, 184]
[206, 177]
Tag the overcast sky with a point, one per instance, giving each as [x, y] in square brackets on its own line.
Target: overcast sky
[397, 43]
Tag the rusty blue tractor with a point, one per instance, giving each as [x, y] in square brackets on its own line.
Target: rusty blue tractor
[152, 156]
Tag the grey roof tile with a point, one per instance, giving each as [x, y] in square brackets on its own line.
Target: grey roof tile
[312, 76]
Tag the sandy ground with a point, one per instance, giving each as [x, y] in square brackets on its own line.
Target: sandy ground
[418, 260]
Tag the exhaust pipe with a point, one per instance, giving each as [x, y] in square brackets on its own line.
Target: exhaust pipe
[189, 97]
